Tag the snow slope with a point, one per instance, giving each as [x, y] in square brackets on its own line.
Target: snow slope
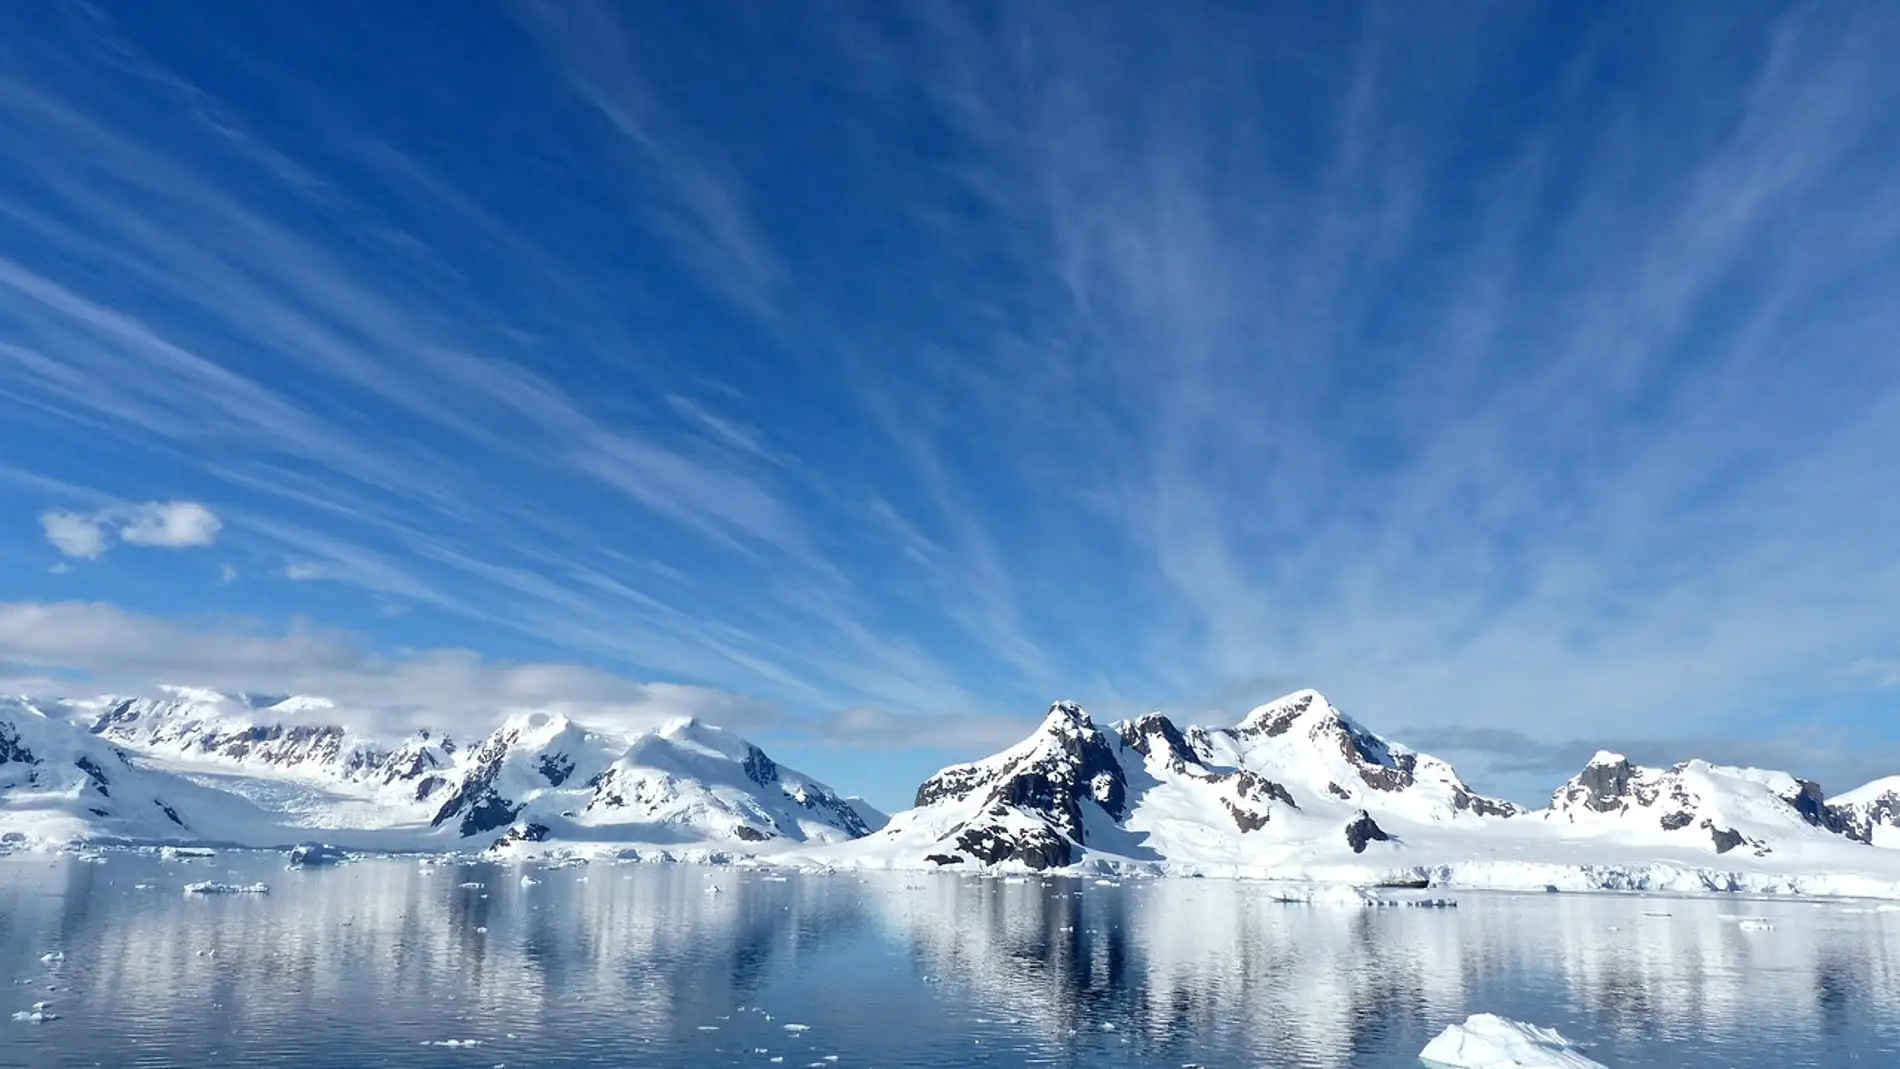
[60, 783]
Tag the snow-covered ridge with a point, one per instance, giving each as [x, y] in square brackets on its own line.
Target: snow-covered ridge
[1298, 790]
[276, 771]
[1292, 775]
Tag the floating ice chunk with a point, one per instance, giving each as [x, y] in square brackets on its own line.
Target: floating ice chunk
[472, 885]
[209, 887]
[1343, 894]
[530, 881]
[1755, 924]
[184, 853]
[709, 1028]
[312, 855]
[452, 1042]
[1487, 1041]
[53, 957]
[36, 1016]
[798, 1028]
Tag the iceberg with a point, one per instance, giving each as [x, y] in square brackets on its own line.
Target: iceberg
[1487, 1041]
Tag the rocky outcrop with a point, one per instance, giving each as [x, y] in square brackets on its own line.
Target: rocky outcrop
[1362, 829]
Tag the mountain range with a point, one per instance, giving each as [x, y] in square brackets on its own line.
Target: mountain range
[1295, 789]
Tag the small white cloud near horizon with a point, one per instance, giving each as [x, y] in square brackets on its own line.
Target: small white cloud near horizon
[71, 649]
[152, 524]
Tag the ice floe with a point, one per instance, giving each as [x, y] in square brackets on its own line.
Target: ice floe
[210, 887]
[1487, 1041]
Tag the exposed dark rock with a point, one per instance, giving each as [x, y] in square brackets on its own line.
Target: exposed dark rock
[1606, 785]
[759, 768]
[170, 814]
[427, 786]
[943, 859]
[1480, 805]
[12, 750]
[1725, 839]
[750, 834]
[475, 799]
[1339, 792]
[1037, 847]
[1283, 719]
[1678, 820]
[1247, 819]
[1362, 829]
[555, 768]
[1812, 805]
[1156, 731]
[1249, 784]
[95, 773]
[527, 831]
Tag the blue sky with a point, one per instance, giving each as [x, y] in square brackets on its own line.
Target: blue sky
[865, 376]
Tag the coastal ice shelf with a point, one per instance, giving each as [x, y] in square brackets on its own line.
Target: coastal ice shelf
[1294, 790]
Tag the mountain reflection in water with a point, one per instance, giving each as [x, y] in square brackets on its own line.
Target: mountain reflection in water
[388, 962]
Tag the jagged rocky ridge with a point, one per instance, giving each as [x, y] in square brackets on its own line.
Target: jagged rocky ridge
[1299, 786]
[1288, 771]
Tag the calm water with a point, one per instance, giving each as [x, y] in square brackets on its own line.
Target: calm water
[604, 965]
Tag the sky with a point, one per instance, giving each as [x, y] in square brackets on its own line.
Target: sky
[865, 376]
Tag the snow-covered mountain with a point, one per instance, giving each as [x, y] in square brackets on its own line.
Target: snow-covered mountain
[1873, 811]
[1711, 806]
[1294, 780]
[1298, 790]
[548, 778]
[279, 771]
[58, 782]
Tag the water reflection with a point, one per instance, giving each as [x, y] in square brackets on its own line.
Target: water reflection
[616, 965]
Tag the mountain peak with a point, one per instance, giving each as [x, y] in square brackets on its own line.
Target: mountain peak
[1278, 716]
[1067, 716]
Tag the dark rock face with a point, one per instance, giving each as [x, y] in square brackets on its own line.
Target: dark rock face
[1339, 792]
[1362, 829]
[1283, 719]
[1037, 847]
[1462, 799]
[170, 814]
[1812, 805]
[1608, 787]
[95, 773]
[1677, 821]
[12, 750]
[1861, 819]
[1156, 732]
[759, 768]
[1247, 819]
[750, 834]
[555, 768]
[527, 832]
[475, 800]
[1725, 839]
[1248, 784]
[941, 860]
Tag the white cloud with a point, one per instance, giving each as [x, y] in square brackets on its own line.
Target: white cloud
[227, 573]
[118, 651]
[170, 525]
[73, 534]
[156, 524]
[305, 572]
